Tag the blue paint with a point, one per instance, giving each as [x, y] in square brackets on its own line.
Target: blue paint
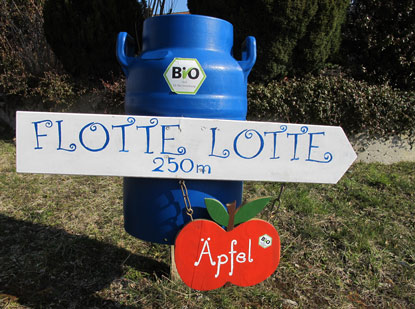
[154, 209]
[182, 166]
[93, 127]
[247, 144]
[171, 161]
[180, 151]
[130, 121]
[327, 156]
[48, 124]
[248, 135]
[154, 123]
[72, 147]
[225, 152]
[172, 166]
[159, 161]
[275, 133]
[304, 130]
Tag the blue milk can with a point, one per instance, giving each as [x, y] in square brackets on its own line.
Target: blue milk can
[185, 69]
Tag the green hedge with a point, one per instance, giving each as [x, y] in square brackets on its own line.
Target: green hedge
[332, 98]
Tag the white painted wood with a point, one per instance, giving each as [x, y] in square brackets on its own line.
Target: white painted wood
[184, 148]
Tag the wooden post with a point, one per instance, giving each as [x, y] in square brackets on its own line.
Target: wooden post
[174, 275]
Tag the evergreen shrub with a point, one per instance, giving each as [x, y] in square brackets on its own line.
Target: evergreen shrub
[379, 41]
[83, 33]
[294, 37]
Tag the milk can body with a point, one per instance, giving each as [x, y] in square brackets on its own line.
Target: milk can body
[185, 69]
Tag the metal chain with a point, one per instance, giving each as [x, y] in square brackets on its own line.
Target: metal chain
[187, 204]
[277, 200]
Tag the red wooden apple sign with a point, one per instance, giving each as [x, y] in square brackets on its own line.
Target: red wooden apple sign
[207, 256]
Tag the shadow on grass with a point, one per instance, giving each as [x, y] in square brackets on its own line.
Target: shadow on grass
[43, 267]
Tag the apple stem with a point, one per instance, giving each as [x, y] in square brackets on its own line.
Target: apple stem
[231, 210]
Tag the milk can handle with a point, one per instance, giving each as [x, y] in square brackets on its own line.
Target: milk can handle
[248, 55]
[125, 51]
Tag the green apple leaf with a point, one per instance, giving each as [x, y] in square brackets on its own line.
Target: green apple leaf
[251, 209]
[217, 211]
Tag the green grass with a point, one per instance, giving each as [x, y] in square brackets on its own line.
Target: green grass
[349, 245]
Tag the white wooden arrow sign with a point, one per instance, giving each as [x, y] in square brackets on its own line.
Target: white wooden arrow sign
[184, 148]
